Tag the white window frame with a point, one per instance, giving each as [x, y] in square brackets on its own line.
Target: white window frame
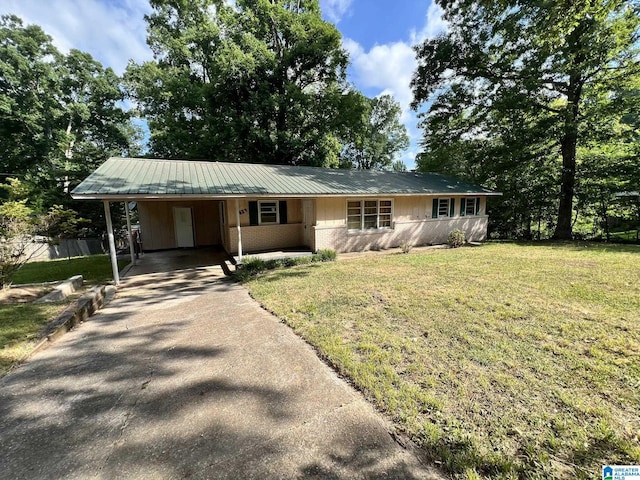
[277, 211]
[362, 214]
[472, 204]
[447, 209]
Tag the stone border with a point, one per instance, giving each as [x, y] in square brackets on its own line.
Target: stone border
[86, 306]
[63, 290]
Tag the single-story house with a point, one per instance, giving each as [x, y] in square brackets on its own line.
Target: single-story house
[257, 207]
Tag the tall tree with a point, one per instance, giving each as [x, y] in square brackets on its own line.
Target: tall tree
[259, 81]
[376, 143]
[60, 116]
[530, 58]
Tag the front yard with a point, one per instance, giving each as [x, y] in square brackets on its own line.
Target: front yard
[504, 361]
[22, 322]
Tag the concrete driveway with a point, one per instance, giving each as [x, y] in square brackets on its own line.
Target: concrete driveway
[185, 376]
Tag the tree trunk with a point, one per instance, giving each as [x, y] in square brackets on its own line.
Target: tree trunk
[568, 143]
[569, 140]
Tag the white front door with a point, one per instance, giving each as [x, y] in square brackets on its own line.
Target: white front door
[307, 219]
[183, 223]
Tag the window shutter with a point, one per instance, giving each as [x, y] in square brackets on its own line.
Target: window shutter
[283, 211]
[463, 206]
[452, 207]
[477, 205]
[434, 208]
[253, 213]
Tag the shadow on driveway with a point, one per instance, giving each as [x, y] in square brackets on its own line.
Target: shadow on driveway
[187, 377]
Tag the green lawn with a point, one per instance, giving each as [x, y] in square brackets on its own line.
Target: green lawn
[94, 268]
[629, 235]
[505, 361]
[19, 328]
[21, 323]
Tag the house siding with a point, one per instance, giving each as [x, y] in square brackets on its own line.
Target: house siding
[412, 223]
[266, 237]
[263, 237]
[156, 223]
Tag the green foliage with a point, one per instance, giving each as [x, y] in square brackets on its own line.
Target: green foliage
[17, 227]
[379, 139]
[63, 223]
[259, 81]
[325, 255]
[60, 117]
[515, 97]
[456, 238]
[252, 266]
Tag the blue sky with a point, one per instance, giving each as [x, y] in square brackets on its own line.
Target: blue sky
[378, 35]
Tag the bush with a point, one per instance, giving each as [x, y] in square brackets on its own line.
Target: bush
[253, 266]
[325, 255]
[406, 247]
[456, 238]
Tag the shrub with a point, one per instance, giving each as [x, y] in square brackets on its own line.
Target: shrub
[326, 255]
[406, 247]
[253, 266]
[456, 238]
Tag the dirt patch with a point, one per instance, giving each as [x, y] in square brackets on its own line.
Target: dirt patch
[23, 294]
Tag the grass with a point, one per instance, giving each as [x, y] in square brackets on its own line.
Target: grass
[94, 268]
[507, 361]
[628, 236]
[20, 325]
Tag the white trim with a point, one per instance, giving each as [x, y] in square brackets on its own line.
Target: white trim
[112, 244]
[239, 229]
[127, 214]
[277, 204]
[362, 229]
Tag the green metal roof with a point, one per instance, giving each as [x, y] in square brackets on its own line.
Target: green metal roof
[130, 178]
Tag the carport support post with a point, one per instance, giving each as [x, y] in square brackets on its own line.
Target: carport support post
[239, 230]
[112, 243]
[131, 246]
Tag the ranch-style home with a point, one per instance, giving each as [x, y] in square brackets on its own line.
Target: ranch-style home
[257, 207]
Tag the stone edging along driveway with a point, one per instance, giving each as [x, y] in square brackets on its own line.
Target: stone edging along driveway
[86, 306]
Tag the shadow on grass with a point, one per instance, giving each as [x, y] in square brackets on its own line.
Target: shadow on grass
[578, 246]
[144, 393]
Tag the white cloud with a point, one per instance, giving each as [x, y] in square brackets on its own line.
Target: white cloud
[112, 32]
[335, 10]
[434, 24]
[388, 69]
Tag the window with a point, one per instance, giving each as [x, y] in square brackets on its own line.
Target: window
[268, 213]
[369, 214]
[470, 206]
[443, 207]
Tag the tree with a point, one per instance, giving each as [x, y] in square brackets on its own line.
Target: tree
[60, 116]
[536, 59]
[63, 224]
[28, 90]
[376, 143]
[259, 81]
[17, 228]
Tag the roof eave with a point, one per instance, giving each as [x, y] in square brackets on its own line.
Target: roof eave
[144, 196]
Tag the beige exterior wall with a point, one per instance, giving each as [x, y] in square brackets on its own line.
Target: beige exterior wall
[412, 223]
[263, 237]
[156, 223]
